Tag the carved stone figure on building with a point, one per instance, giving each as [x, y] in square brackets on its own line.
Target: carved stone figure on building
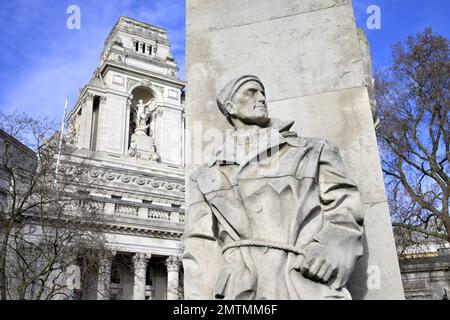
[142, 144]
[273, 217]
[143, 114]
[132, 151]
[72, 133]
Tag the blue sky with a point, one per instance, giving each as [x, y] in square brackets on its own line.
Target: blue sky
[42, 61]
[399, 18]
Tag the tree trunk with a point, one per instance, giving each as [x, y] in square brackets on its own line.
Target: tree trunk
[3, 252]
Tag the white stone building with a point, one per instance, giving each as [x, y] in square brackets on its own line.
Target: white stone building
[128, 126]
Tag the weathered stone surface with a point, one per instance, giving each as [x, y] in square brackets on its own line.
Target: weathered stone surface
[427, 278]
[216, 15]
[308, 55]
[337, 109]
[295, 56]
[376, 275]
[281, 208]
[357, 141]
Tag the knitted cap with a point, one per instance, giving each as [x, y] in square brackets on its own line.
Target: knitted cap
[230, 89]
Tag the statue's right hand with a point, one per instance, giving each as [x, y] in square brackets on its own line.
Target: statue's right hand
[318, 263]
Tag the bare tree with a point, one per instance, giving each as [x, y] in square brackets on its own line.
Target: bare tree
[413, 100]
[48, 222]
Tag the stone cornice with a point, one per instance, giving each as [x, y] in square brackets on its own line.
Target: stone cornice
[157, 183]
[133, 230]
[137, 56]
[155, 229]
[132, 71]
[151, 60]
[127, 181]
[153, 195]
[141, 24]
[425, 267]
[85, 93]
[90, 159]
[4, 135]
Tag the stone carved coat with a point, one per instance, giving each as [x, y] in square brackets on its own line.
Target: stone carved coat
[298, 195]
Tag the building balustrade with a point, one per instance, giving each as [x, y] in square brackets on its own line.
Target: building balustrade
[144, 211]
[126, 209]
[157, 214]
[96, 205]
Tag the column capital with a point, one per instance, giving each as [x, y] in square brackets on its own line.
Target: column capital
[89, 97]
[129, 100]
[173, 264]
[106, 257]
[141, 259]
[107, 254]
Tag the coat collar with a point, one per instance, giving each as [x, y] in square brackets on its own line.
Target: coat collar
[226, 153]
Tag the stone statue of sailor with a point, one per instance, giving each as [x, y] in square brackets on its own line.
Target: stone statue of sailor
[281, 221]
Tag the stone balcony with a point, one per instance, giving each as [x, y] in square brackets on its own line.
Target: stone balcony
[142, 211]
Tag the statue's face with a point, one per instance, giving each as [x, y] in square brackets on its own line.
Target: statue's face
[249, 104]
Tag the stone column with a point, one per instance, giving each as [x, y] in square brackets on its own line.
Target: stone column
[126, 145]
[183, 138]
[173, 267]
[99, 124]
[84, 140]
[73, 281]
[104, 276]
[140, 270]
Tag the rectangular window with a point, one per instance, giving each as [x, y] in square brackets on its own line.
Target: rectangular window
[115, 275]
[136, 46]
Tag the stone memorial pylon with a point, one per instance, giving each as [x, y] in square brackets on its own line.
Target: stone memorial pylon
[311, 58]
